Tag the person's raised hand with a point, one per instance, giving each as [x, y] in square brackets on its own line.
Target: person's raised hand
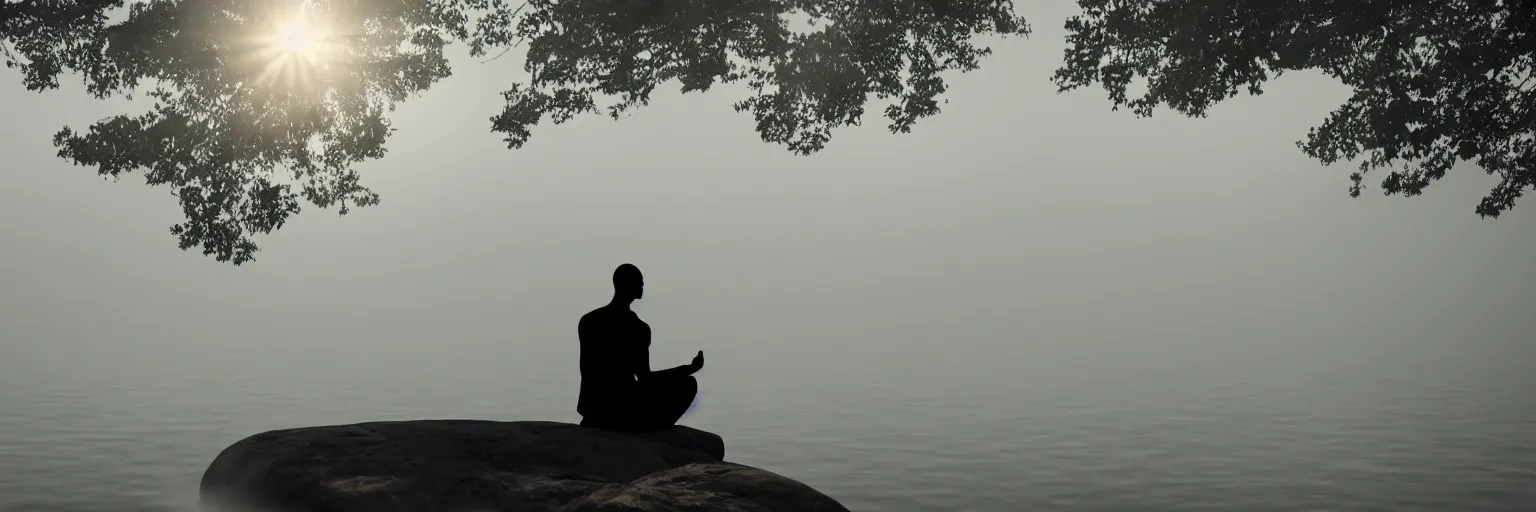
[698, 361]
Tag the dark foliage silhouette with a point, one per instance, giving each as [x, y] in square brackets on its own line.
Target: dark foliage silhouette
[239, 141]
[1435, 81]
[618, 389]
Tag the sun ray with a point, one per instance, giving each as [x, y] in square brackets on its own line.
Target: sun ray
[294, 50]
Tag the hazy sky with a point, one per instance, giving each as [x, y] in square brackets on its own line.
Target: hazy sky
[1017, 214]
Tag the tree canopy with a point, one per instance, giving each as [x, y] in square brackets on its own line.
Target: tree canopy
[1435, 81]
[254, 100]
[258, 104]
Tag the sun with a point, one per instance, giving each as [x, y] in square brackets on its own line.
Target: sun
[294, 49]
[295, 37]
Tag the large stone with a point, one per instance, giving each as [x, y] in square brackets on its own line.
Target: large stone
[484, 466]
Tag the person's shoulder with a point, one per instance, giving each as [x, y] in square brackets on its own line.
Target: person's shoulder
[598, 315]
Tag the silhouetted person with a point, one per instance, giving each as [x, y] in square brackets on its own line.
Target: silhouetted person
[618, 389]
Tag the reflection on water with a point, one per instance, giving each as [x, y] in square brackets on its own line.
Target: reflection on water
[991, 429]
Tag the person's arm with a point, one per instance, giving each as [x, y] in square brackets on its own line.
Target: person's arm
[643, 363]
[643, 366]
[681, 371]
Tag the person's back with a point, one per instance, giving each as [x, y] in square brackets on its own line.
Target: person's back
[618, 389]
[611, 341]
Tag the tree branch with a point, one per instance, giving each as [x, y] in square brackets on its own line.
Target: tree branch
[510, 19]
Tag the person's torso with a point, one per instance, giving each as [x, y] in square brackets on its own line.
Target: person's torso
[613, 342]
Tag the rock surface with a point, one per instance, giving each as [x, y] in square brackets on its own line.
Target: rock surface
[486, 466]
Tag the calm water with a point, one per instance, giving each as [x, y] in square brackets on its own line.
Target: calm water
[1391, 426]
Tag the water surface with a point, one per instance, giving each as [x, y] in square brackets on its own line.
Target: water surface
[1433, 426]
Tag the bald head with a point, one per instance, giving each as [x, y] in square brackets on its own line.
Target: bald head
[627, 282]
